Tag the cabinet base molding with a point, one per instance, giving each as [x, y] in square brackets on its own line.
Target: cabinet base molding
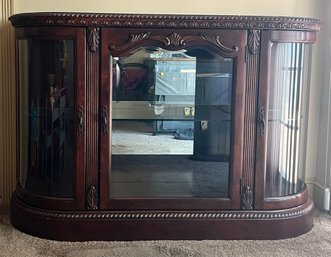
[161, 225]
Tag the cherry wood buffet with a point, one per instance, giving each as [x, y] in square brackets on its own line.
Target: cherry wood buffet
[144, 127]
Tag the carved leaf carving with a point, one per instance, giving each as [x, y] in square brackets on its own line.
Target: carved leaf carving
[215, 40]
[175, 39]
[93, 39]
[134, 38]
[247, 198]
[138, 37]
[253, 41]
[92, 198]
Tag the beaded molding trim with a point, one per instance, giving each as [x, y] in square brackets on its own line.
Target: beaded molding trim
[173, 215]
[165, 21]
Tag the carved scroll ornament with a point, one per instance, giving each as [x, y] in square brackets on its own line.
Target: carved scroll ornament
[133, 39]
[174, 40]
[216, 40]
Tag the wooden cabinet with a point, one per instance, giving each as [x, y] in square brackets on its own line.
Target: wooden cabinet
[227, 93]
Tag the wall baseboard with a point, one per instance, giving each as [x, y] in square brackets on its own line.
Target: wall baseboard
[319, 196]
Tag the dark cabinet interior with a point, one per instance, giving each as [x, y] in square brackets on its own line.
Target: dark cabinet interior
[49, 100]
[162, 127]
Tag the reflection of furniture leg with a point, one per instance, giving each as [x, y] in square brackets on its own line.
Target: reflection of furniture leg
[154, 127]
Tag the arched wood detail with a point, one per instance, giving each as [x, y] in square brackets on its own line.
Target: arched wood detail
[174, 42]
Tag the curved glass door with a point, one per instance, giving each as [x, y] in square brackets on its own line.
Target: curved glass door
[171, 125]
[286, 118]
[47, 116]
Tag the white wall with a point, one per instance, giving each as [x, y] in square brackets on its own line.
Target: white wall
[322, 177]
[250, 7]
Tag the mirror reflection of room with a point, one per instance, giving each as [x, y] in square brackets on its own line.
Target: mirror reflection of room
[171, 124]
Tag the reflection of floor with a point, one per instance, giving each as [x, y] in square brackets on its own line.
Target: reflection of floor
[133, 137]
[160, 166]
[167, 176]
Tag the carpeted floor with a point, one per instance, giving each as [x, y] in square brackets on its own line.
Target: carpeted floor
[315, 243]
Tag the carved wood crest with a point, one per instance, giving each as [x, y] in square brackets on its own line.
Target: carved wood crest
[173, 40]
[216, 40]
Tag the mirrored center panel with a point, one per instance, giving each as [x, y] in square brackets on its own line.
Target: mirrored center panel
[171, 125]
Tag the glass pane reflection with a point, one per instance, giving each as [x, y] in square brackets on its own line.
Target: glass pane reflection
[46, 77]
[285, 147]
[171, 125]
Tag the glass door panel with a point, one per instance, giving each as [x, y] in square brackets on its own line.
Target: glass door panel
[286, 136]
[47, 116]
[171, 119]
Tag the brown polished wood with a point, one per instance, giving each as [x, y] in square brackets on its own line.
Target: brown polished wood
[250, 133]
[286, 201]
[164, 21]
[92, 214]
[260, 158]
[92, 122]
[161, 225]
[292, 37]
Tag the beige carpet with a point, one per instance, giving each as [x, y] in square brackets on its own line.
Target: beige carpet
[315, 243]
